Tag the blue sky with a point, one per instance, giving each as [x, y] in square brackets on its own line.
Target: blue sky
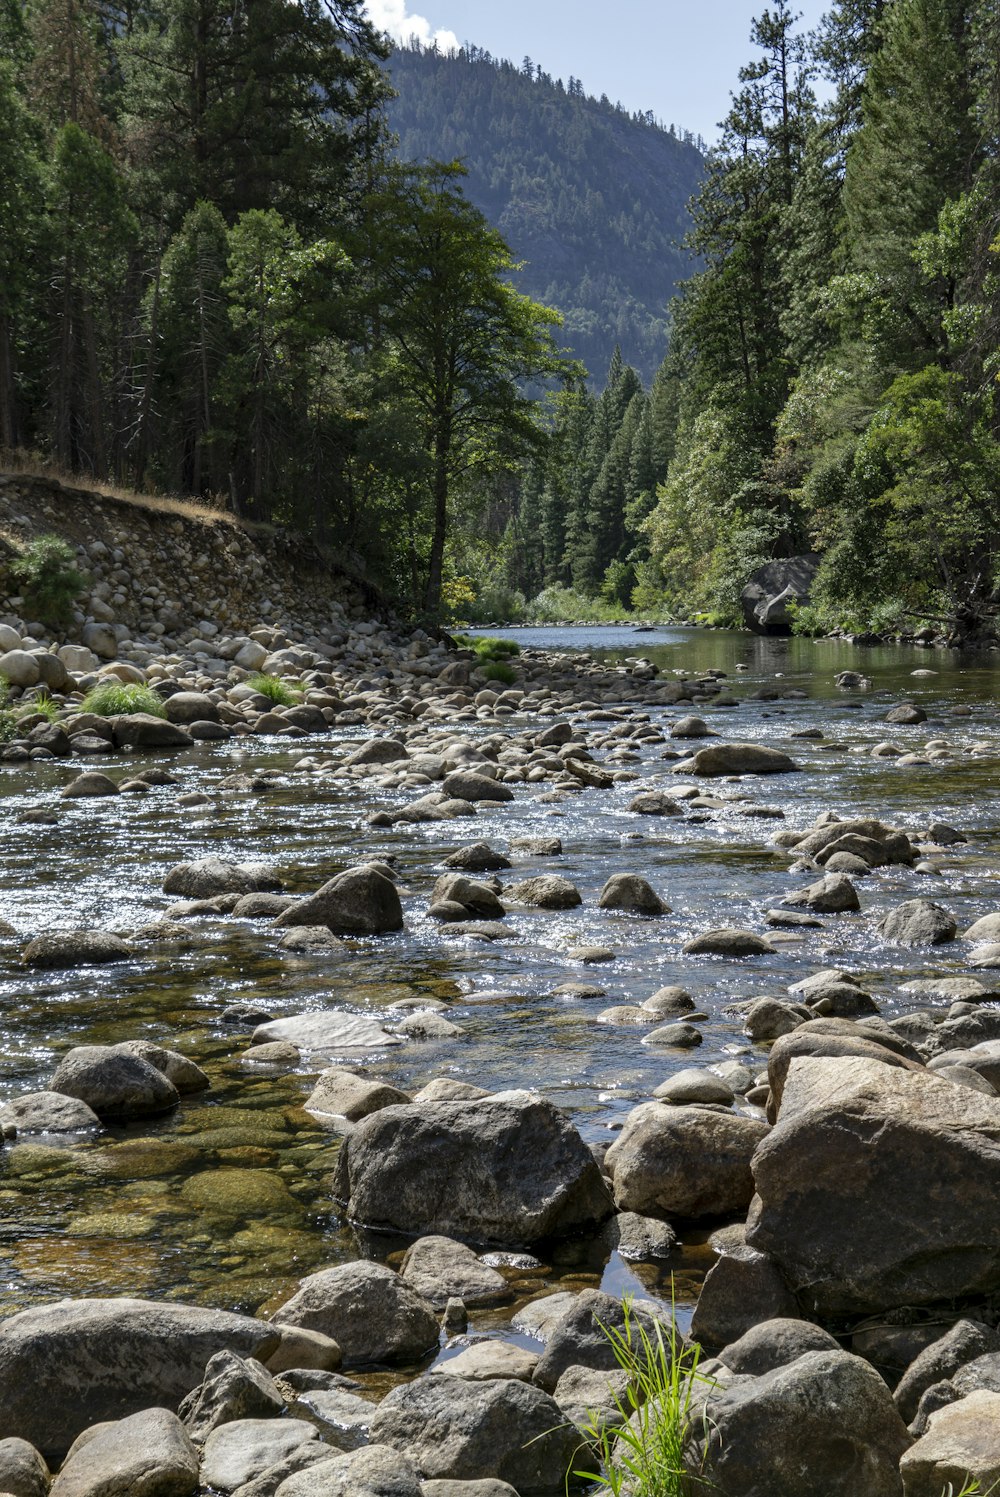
[678, 59]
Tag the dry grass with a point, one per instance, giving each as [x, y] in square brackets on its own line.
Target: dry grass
[31, 465]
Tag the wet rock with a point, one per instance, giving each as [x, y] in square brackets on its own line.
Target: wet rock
[209, 877]
[537, 847]
[827, 896]
[76, 948]
[962, 1441]
[642, 1239]
[312, 938]
[546, 892]
[90, 784]
[743, 1289]
[918, 922]
[654, 803]
[378, 751]
[239, 1451]
[140, 730]
[824, 1422]
[626, 891]
[360, 901]
[684, 1088]
[184, 1074]
[377, 1471]
[667, 1002]
[680, 1036]
[465, 784]
[775, 1343]
[445, 1089]
[580, 1337]
[985, 929]
[146, 1455]
[23, 1473]
[967, 1340]
[261, 906]
[485, 1360]
[507, 1170]
[233, 1388]
[113, 1083]
[879, 1187]
[907, 714]
[738, 759]
[477, 858]
[369, 1311]
[683, 1161]
[769, 1018]
[72, 1364]
[47, 1112]
[342, 1093]
[463, 1430]
[471, 895]
[340, 1415]
[726, 942]
[439, 1269]
[488, 1488]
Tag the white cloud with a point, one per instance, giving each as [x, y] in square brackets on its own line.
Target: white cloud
[391, 16]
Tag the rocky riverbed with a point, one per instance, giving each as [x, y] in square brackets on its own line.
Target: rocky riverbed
[362, 1053]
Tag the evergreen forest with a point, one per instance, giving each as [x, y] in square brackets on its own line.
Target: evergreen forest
[591, 199]
[222, 276]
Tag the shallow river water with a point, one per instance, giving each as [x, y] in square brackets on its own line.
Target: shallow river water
[227, 1201]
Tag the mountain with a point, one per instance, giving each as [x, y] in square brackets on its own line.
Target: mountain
[591, 198]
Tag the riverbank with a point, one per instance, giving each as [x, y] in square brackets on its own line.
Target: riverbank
[364, 948]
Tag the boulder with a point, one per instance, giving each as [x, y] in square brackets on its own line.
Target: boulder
[743, 1289]
[335, 1030]
[23, 1473]
[478, 857]
[654, 803]
[487, 1359]
[470, 894]
[19, 667]
[465, 784]
[341, 1093]
[114, 1083]
[775, 1343]
[233, 1388]
[178, 1069]
[76, 948]
[830, 895]
[467, 1430]
[683, 1161]
[358, 902]
[967, 1340]
[771, 591]
[824, 1423]
[580, 1338]
[508, 1170]
[738, 759]
[47, 1112]
[879, 1187]
[369, 1311]
[377, 1471]
[148, 1454]
[439, 1268]
[191, 707]
[101, 639]
[918, 922]
[209, 877]
[627, 891]
[545, 892]
[727, 942]
[141, 730]
[75, 1363]
[962, 1440]
[245, 1448]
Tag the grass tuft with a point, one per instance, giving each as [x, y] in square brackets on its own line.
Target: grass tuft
[281, 693]
[115, 698]
[496, 670]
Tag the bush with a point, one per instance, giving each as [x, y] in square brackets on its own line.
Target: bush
[488, 648]
[47, 576]
[113, 698]
[281, 693]
[497, 671]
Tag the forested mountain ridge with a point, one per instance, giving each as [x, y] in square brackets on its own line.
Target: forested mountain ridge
[592, 199]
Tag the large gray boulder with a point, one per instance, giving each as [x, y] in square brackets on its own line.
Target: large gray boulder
[66, 1366]
[772, 591]
[369, 1311]
[824, 1424]
[738, 758]
[76, 948]
[464, 1430]
[377, 1471]
[114, 1083]
[148, 1454]
[208, 877]
[879, 1187]
[23, 1473]
[357, 902]
[684, 1161]
[919, 922]
[967, 1340]
[439, 1269]
[962, 1440]
[583, 1336]
[243, 1449]
[141, 730]
[507, 1170]
[233, 1388]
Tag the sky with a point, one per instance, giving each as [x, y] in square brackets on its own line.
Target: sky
[678, 58]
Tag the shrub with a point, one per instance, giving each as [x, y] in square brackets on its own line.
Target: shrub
[47, 576]
[281, 693]
[643, 1453]
[495, 670]
[488, 648]
[113, 698]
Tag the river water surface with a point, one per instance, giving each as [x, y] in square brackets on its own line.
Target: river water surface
[227, 1202]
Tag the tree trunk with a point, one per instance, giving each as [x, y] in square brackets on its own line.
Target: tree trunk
[439, 488]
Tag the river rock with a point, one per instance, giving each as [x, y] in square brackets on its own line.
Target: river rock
[654, 803]
[245, 1448]
[775, 1343]
[75, 1363]
[209, 877]
[464, 1430]
[967, 1340]
[683, 1161]
[113, 1083]
[546, 892]
[191, 707]
[19, 667]
[743, 1289]
[738, 759]
[47, 1112]
[818, 1039]
[488, 1488]
[479, 857]
[830, 895]
[359, 902]
[684, 1088]
[627, 891]
[642, 1239]
[341, 1093]
[233, 1388]
[879, 1187]
[147, 1454]
[824, 1423]
[726, 942]
[377, 1471]
[369, 1311]
[962, 1440]
[335, 1030]
[76, 948]
[91, 784]
[580, 1337]
[23, 1473]
[488, 1359]
[466, 784]
[184, 1074]
[141, 730]
[470, 894]
[508, 1170]
[439, 1268]
[987, 928]
[768, 1019]
[918, 922]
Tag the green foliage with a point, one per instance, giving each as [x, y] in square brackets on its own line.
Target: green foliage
[495, 670]
[642, 1453]
[47, 575]
[486, 648]
[282, 693]
[556, 167]
[114, 698]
